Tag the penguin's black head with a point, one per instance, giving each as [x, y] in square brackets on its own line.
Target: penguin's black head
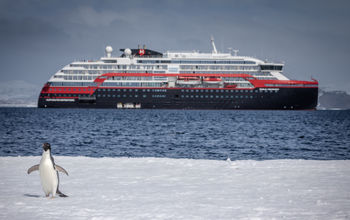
[46, 146]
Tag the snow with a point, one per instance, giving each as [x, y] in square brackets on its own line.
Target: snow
[163, 188]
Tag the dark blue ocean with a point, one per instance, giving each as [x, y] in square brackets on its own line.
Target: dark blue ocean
[209, 134]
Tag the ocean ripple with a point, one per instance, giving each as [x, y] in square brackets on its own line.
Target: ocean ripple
[258, 135]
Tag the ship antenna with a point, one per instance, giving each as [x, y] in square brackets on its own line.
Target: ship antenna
[213, 44]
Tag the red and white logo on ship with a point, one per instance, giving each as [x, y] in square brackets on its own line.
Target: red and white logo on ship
[141, 52]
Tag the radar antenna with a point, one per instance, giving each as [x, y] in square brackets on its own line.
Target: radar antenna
[213, 45]
[109, 51]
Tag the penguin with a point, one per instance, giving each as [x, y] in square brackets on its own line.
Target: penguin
[49, 173]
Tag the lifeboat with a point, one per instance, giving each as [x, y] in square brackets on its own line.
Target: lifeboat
[188, 80]
[212, 79]
[230, 86]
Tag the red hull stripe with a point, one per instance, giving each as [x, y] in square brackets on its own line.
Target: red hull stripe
[47, 97]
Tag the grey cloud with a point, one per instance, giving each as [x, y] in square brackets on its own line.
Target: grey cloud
[310, 36]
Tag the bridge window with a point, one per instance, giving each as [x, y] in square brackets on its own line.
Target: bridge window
[271, 67]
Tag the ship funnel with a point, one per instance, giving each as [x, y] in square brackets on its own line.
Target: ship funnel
[213, 45]
[109, 51]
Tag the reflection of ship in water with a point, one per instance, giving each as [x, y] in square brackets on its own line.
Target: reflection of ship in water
[143, 78]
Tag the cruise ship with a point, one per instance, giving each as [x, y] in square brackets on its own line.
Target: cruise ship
[146, 79]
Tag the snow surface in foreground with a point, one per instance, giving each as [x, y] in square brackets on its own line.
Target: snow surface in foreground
[161, 188]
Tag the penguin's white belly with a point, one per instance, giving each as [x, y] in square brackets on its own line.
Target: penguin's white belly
[48, 177]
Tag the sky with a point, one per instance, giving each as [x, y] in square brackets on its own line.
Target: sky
[38, 38]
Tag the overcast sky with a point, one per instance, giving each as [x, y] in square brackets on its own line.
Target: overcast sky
[37, 38]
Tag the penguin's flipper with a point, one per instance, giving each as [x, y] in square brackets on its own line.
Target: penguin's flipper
[60, 194]
[33, 168]
[59, 168]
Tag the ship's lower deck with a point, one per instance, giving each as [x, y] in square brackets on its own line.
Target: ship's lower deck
[181, 98]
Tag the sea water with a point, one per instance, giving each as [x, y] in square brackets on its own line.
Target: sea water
[196, 134]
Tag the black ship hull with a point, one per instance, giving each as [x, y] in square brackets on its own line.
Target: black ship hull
[181, 98]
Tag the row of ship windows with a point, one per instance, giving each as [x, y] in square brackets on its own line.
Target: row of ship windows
[156, 90]
[103, 70]
[189, 90]
[261, 73]
[75, 77]
[131, 96]
[233, 79]
[134, 84]
[156, 78]
[217, 96]
[71, 89]
[113, 78]
[216, 90]
[73, 72]
[229, 72]
[150, 68]
[182, 96]
[113, 67]
[266, 78]
[244, 85]
[65, 95]
[138, 78]
[192, 67]
[163, 84]
[73, 84]
[288, 85]
[84, 77]
[198, 61]
[164, 78]
[132, 78]
[116, 67]
[133, 90]
[130, 84]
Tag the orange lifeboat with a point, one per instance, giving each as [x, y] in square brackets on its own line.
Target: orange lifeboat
[212, 80]
[188, 78]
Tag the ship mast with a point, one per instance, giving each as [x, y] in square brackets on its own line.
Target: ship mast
[213, 45]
